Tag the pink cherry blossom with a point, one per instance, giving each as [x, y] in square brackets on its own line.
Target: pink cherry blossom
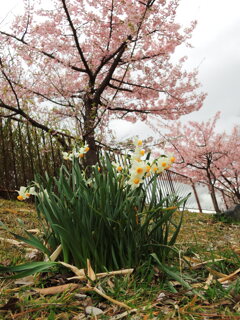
[84, 63]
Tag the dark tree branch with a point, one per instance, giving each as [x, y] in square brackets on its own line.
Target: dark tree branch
[108, 77]
[57, 134]
[26, 29]
[145, 87]
[10, 84]
[121, 89]
[148, 5]
[132, 110]
[110, 27]
[76, 40]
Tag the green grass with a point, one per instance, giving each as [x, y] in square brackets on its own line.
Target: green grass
[154, 297]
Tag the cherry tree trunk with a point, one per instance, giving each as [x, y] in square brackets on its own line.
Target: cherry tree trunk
[89, 132]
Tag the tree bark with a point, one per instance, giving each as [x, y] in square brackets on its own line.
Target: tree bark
[89, 132]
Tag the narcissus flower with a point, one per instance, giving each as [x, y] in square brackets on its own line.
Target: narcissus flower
[25, 193]
[154, 168]
[148, 168]
[67, 155]
[117, 166]
[77, 153]
[135, 181]
[138, 154]
[138, 168]
[164, 163]
[137, 142]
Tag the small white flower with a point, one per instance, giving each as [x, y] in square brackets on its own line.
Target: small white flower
[67, 155]
[25, 193]
[135, 181]
[137, 142]
[163, 163]
[79, 153]
[117, 166]
[138, 168]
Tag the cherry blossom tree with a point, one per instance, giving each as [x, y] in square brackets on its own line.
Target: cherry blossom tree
[227, 169]
[82, 63]
[208, 157]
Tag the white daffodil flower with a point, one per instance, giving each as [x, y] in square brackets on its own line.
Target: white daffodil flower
[79, 153]
[117, 166]
[137, 142]
[25, 193]
[67, 155]
[138, 168]
[163, 163]
[135, 181]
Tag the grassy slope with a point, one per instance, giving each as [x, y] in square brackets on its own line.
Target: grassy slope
[201, 238]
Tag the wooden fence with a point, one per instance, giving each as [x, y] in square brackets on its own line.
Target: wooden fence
[25, 151]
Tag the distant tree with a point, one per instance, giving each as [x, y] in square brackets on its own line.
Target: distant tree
[93, 61]
[227, 169]
[208, 157]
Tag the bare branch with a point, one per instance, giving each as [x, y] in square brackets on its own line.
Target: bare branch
[57, 134]
[108, 77]
[76, 39]
[110, 27]
[10, 84]
[121, 89]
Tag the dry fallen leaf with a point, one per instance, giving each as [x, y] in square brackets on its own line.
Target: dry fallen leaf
[36, 231]
[229, 277]
[57, 289]
[121, 304]
[56, 253]
[25, 281]
[197, 263]
[79, 272]
[90, 273]
[123, 315]
[216, 273]
[208, 281]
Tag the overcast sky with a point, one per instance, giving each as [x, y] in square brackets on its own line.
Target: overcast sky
[216, 50]
[216, 53]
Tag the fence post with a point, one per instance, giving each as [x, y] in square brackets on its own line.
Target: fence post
[170, 181]
[30, 148]
[4, 157]
[16, 184]
[22, 157]
[197, 198]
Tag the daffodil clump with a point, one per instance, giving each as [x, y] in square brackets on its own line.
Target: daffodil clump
[140, 167]
[104, 215]
[76, 153]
